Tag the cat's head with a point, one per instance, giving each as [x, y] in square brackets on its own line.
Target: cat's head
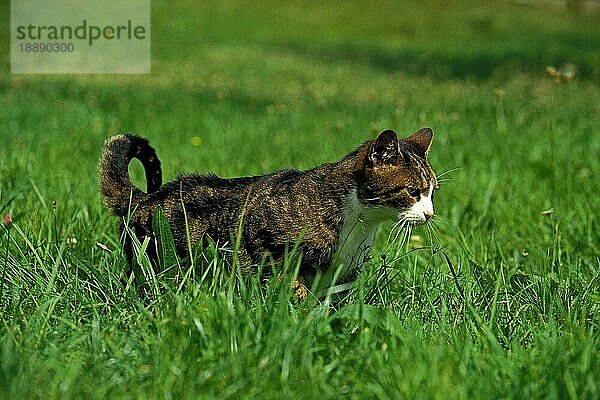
[395, 174]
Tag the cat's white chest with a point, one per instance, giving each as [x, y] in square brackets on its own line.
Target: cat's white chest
[357, 234]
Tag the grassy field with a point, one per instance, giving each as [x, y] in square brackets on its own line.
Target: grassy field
[499, 299]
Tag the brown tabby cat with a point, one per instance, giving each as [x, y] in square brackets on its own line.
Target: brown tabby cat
[331, 211]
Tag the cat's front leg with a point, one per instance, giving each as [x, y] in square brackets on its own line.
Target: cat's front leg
[300, 290]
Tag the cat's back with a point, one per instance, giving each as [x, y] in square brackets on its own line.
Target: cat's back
[194, 187]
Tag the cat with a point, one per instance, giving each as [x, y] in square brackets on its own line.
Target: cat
[330, 212]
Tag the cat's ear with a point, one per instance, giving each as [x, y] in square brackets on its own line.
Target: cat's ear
[384, 149]
[420, 141]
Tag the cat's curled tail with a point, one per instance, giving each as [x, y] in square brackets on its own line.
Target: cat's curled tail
[119, 192]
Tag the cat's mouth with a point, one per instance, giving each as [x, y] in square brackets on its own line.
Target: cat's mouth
[419, 213]
[411, 218]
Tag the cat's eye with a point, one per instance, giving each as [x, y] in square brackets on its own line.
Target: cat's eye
[414, 192]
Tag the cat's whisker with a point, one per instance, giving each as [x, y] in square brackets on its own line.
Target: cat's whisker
[438, 245]
[397, 235]
[432, 236]
[389, 240]
[398, 225]
[392, 230]
[447, 172]
[405, 231]
[407, 235]
[396, 230]
[439, 222]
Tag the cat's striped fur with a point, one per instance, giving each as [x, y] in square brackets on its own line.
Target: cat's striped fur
[330, 211]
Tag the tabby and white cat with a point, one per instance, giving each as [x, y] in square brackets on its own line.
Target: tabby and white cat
[331, 212]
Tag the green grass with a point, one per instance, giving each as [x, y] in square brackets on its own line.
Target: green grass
[513, 312]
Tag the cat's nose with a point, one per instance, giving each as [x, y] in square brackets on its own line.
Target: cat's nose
[427, 215]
